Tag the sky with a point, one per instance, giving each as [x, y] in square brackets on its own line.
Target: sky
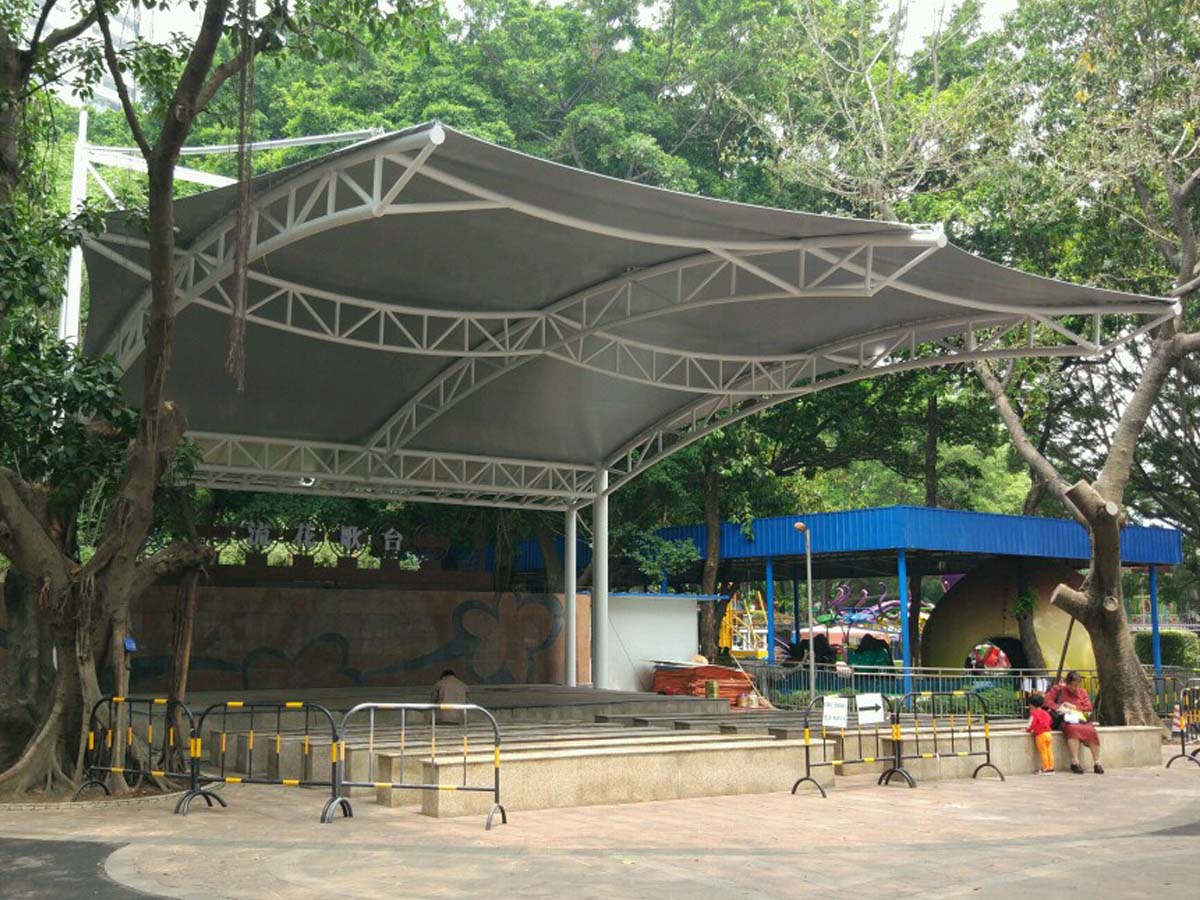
[923, 16]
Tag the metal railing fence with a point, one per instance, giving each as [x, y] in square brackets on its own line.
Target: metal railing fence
[401, 739]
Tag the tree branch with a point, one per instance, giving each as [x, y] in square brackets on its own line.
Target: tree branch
[37, 29]
[1036, 461]
[231, 67]
[22, 537]
[138, 485]
[1177, 200]
[1190, 184]
[1117, 466]
[183, 104]
[1152, 223]
[114, 66]
[1187, 287]
[1074, 603]
[175, 557]
[60, 36]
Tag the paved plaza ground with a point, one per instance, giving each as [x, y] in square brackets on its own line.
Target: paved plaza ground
[1130, 833]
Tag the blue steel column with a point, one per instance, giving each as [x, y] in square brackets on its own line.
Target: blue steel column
[1155, 638]
[795, 606]
[905, 650]
[770, 609]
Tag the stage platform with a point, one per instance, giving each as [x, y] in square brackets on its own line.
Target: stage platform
[507, 702]
[566, 747]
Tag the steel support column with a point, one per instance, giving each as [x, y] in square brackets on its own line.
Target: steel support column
[69, 312]
[795, 606]
[600, 677]
[1155, 636]
[570, 663]
[905, 649]
[770, 597]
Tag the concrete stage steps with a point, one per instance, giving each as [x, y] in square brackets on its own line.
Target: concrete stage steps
[620, 748]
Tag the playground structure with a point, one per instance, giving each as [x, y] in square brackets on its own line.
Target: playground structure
[980, 609]
[985, 562]
[744, 627]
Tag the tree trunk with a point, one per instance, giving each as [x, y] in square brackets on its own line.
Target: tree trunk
[933, 432]
[183, 627]
[551, 558]
[11, 88]
[1033, 497]
[1029, 641]
[39, 764]
[1025, 629]
[709, 623]
[28, 678]
[503, 553]
[1126, 698]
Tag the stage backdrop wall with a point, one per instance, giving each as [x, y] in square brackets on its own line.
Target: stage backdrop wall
[250, 638]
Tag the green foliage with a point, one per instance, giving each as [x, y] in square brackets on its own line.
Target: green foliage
[1025, 603]
[65, 422]
[657, 558]
[1179, 648]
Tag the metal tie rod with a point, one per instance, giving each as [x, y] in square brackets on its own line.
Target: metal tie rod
[340, 137]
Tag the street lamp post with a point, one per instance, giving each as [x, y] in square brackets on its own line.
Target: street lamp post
[812, 660]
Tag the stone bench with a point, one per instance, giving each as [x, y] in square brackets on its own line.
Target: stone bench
[587, 776]
[292, 762]
[391, 766]
[1014, 753]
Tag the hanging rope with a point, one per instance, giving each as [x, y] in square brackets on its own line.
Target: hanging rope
[235, 364]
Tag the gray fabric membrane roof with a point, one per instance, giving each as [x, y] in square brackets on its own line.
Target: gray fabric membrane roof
[432, 293]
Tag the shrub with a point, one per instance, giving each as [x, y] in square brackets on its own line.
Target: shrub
[1179, 648]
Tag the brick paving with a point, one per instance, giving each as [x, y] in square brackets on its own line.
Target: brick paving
[1130, 833]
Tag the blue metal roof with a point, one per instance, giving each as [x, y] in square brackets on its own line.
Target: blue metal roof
[912, 528]
[935, 530]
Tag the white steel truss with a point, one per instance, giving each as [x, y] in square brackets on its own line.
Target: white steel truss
[860, 359]
[88, 156]
[563, 328]
[254, 463]
[588, 329]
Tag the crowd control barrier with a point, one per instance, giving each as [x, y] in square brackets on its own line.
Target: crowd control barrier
[870, 740]
[356, 715]
[121, 741]
[950, 710]
[1189, 722]
[264, 719]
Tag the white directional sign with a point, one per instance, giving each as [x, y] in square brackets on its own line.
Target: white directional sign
[835, 712]
[870, 709]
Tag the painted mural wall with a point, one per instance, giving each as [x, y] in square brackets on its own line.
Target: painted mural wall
[251, 638]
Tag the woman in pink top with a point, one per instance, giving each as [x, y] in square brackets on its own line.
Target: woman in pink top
[1066, 697]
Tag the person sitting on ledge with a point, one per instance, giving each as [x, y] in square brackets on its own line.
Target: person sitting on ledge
[450, 689]
[1071, 702]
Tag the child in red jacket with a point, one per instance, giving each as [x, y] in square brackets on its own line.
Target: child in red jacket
[1040, 728]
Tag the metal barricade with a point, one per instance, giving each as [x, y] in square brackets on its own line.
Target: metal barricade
[121, 741]
[265, 718]
[950, 709]
[872, 738]
[370, 710]
[1189, 722]
[1168, 690]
